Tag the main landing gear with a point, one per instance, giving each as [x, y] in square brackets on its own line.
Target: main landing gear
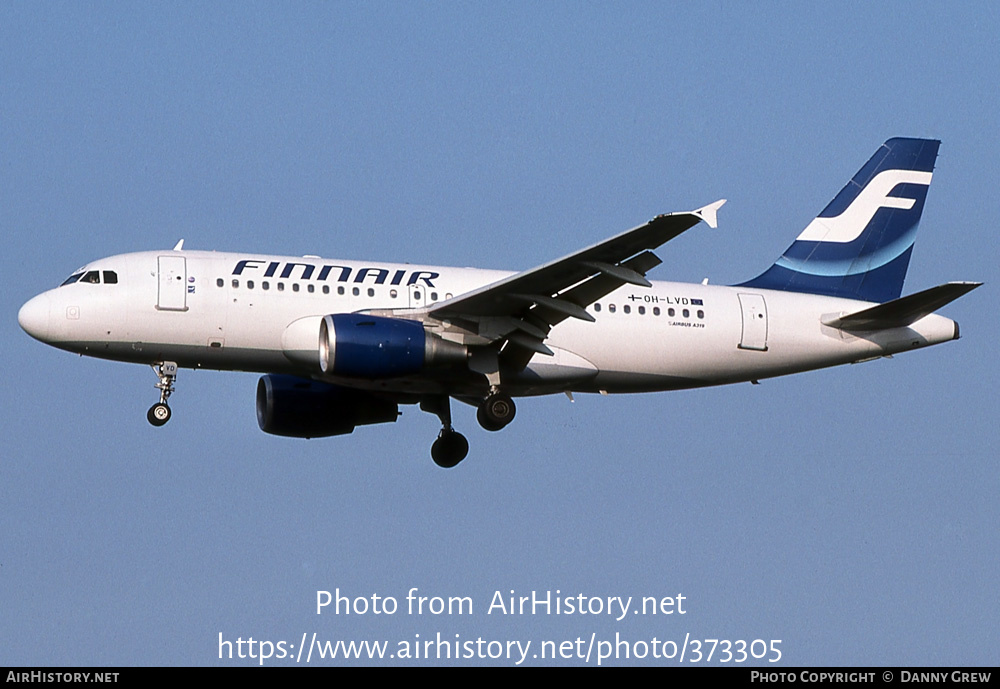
[496, 411]
[159, 413]
[451, 447]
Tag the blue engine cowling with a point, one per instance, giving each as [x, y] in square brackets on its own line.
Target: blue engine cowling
[360, 346]
[302, 408]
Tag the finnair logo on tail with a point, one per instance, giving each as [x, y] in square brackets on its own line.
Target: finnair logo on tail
[849, 225]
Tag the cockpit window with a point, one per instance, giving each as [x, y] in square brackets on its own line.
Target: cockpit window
[93, 277]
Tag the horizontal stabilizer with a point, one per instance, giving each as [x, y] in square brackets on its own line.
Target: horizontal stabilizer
[901, 312]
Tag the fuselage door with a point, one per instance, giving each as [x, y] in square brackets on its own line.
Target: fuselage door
[754, 322]
[172, 292]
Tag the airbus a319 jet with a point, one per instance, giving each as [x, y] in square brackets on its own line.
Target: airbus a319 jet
[345, 343]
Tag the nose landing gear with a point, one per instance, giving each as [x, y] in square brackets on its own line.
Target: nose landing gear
[159, 413]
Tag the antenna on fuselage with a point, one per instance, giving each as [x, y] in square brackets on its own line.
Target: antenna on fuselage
[180, 246]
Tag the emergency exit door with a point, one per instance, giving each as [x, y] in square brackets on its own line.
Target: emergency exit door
[418, 295]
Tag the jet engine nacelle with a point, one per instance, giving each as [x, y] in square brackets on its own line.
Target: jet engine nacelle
[302, 408]
[360, 346]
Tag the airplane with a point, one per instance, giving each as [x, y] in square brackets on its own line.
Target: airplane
[344, 343]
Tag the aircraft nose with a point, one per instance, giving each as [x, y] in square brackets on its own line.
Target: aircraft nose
[34, 317]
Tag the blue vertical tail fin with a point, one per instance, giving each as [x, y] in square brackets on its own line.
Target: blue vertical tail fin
[859, 246]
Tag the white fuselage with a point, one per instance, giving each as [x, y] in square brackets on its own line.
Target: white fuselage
[245, 312]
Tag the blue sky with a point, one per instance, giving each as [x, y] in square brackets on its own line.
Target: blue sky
[850, 512]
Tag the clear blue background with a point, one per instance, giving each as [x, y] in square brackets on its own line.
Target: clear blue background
[851, 513]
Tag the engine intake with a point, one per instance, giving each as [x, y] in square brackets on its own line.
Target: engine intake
[359, 346]
[302, 408]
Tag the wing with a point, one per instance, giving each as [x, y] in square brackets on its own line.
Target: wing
[517, 312]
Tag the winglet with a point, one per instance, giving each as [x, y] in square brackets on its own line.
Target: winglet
[708, 213]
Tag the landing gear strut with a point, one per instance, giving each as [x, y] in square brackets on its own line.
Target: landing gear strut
[159, 413]
[496, 411]
[451, 447]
